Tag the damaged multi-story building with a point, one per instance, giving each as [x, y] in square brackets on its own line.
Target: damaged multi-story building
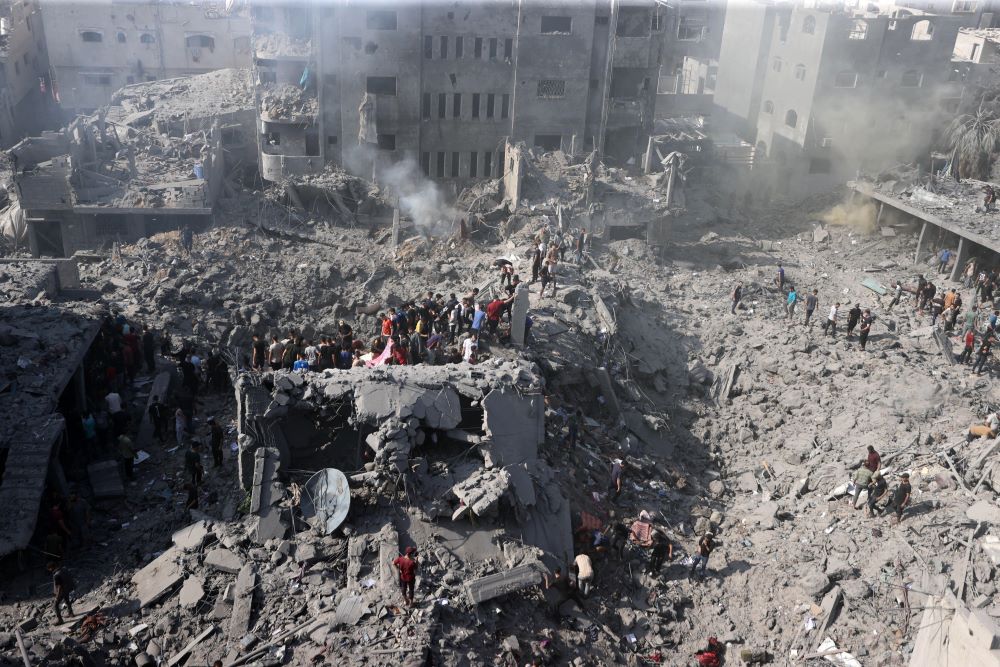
[155, 161]
[96, 48]
[26, 95]
[822, 93]
[446, 85]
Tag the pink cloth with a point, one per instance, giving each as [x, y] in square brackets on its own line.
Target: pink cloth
[382, 358]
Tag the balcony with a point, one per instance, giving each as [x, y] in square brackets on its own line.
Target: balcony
[287, 104]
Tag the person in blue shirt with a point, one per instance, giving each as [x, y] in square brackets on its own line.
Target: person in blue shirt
[943, 258]
[478, 318]
[790, 302]
[300, 365]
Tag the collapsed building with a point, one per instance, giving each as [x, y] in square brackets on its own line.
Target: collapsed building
[46, 330]
[462, 443]
[155, 160]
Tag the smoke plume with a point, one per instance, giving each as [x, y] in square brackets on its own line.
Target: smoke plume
[859, 217]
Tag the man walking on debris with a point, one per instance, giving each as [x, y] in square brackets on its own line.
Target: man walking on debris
[862, 476]
[536, 263]
[897, 294]
[617, 468]
[985, 347]
[735, 297]
[62, 586]
[158, 415]
[406, 568]
[873, 461]
[900, 497]
[790, 302]
[192, 463]
[584, 573]
[877, 491]
[187, 239]
[970, 344]
[830, 326]
[705, 547]
[780, 280]
[812, 300]
[258, 353]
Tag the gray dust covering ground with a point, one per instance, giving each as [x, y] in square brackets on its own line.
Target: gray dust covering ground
[749, 424]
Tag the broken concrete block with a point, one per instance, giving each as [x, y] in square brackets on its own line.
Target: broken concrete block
[495, 585]
[246, 582]
[223, 560]
[192, 592]
[984, 512]
[159, 576]
[191, 537]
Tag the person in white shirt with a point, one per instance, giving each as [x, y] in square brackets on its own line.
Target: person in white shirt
[584, 573]
[831, 320]
[469, 348]
[312, 355]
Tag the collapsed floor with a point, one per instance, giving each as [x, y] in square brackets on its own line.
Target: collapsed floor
[745, 423]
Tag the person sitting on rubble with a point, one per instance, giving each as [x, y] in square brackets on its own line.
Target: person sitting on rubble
[406, 568]
[712, 654]
[662, 549]
[900, 497]
[988, 428]
[563, 590]
[877, 491]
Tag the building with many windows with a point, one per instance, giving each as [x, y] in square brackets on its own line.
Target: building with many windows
[26, 105]
[446, 84]
[824, 93]
[95, 48]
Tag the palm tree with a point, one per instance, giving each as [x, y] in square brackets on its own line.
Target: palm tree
[973, 138]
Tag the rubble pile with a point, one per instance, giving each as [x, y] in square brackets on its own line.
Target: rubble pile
[641, 409]
[288, 101]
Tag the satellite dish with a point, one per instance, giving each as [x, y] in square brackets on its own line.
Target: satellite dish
[327, 497]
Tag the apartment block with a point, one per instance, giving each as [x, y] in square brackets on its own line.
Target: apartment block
[690, 62]
[822, 94]
[95, 48]
[446, 84]
[26, 105]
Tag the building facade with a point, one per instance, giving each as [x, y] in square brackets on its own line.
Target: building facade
[26, 104]
[447, 84]
[822, 94]
[690, 63]
[95, 48]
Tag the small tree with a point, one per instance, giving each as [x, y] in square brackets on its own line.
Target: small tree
[973, 138]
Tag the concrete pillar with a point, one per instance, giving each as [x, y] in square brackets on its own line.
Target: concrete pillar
[961, 255]
[878, 218]
[80, 386]
[920, 243]
[647, 163]
[395, 228]
[518, 312]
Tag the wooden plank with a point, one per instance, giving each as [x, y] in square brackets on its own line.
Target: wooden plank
[20, 646]
[180, 657]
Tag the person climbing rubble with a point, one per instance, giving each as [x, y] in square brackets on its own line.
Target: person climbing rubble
[897, 294]
[735, 296]
[862, 477]
[983, 354]
[867, 319]
[812, 300]
[406, 568]
[617, 472]
[700, 560]
[877, 491]
[584, 569]
[853, 317]
[830, 326]
[562, 590]
[790, 302]
[662, 549]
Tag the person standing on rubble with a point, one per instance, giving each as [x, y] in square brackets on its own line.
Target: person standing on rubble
[216, 441]
[866, 327]
[735, 296]
[969, 319]
[705, 547]
[900, 497]
[536, 263]
[62, 586]
[258, 353]
[149, 348]
[192, 463]
[853, 317]
[581, 240]
[564, 590]
[187, 239]
[158, 415]
[937, 307]
[830, 326]
[584, 573]
[862, 476]
[943, 257]
[617, 473]
[790, 301]
[126, 455]
[970, 344]
[406, 568]
[812, 300]
[780, 280]
[985, 348]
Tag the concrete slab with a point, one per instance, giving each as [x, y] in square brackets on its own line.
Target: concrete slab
[493, 586]
[246, 582]
[191, 537]
[351, 609]
[223, 560]
[984, 511]
[105, 480]
[192, 592]
[158, 577]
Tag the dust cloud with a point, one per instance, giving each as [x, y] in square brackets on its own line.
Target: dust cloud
[420, 198]
[858, 217]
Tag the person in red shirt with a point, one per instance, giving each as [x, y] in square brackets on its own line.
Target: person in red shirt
[970, 344]
[406, 566]
[386, 327]
[493, 312]
[874, 461]
[398, 353]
